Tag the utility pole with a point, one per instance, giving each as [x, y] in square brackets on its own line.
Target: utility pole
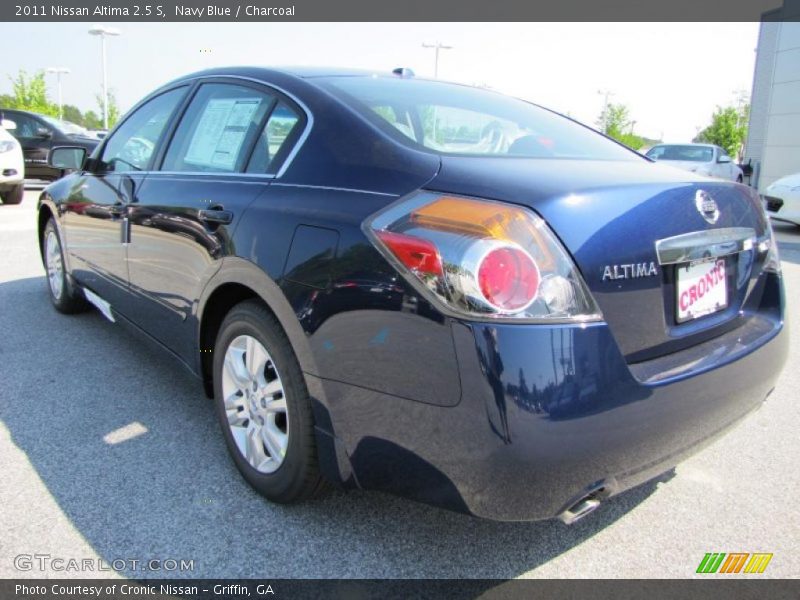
[104, 32]
[437, 46]
[58, 72]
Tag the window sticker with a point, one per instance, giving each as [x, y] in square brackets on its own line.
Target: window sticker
[220, 133]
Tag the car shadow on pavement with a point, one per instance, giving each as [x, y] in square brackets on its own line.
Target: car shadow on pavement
[128, 447]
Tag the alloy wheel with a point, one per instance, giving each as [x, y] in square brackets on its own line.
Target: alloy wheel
[255, 404]
[55, 266]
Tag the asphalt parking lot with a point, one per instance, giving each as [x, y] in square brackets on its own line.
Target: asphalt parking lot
[109, 451]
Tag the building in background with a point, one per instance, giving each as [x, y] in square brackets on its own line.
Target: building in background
[773, 140]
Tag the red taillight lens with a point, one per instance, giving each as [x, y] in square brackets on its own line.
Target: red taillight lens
[508, 278]
[419, 255]
[481, 259]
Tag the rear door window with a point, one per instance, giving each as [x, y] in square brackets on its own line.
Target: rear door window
[276, 139]
[218, 129]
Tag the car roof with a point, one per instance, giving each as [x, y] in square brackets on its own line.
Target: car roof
[687, 144]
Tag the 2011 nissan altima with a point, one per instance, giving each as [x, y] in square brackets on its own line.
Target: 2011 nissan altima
[420, 287]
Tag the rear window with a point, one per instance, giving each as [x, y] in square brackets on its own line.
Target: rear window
[455, 119]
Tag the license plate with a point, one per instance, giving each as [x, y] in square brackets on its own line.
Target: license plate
[702, 289]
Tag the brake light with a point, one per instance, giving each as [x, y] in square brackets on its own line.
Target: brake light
[419, 255]
[508, 278]
[480, 258]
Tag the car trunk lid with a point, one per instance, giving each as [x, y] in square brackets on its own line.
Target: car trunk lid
[632, 228]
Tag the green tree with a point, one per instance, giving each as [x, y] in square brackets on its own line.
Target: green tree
[113, 109]
[30, 93]
[91, 120]
[73, 114]
[728, 129]
[615, 121]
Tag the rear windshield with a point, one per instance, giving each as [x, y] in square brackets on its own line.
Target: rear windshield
[675, 152]
[455, 119]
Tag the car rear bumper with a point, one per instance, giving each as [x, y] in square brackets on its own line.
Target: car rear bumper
[547, 416]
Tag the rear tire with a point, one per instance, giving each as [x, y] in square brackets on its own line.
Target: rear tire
[14, 195]
[263, 406]
[739, 179]
[63, 294]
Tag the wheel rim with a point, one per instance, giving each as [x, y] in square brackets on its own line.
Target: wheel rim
[55, 266]
[255, 404]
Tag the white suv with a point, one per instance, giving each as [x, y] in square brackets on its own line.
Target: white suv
[12, 169]
[703, 159]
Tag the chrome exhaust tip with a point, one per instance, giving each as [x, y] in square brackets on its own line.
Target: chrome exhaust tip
[579, 510]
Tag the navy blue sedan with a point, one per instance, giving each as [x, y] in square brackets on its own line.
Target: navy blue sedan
[420, 287]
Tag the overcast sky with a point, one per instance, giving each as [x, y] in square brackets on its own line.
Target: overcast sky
[671, 75]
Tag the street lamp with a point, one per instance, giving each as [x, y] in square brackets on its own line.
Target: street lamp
[59, 71]
[437, 46]
[104, 32]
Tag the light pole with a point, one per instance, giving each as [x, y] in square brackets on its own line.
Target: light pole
[59, 71]
[103, 32]
[607, 94]
[437, 46]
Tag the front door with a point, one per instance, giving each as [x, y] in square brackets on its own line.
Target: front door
[96, 212]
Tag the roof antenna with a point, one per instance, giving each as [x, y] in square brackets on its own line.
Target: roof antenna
[403, 72]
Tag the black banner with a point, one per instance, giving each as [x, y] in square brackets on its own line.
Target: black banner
[407, 10]
[363, 589]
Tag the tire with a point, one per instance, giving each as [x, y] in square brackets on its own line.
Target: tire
[63, 293]
[739, 179]
[14, 195]
[255, 368]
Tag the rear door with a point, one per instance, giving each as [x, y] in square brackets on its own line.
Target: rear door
[218, 161]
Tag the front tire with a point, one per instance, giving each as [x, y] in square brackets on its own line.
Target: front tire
[63, 294]
[14, 195]
[263, 406]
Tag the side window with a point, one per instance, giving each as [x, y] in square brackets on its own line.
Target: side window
[132, 145]
[26, 126]
[278, 136]
[218, 129]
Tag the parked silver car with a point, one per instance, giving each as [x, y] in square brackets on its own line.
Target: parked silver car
[703, 159]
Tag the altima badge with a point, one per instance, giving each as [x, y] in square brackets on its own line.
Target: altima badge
[706, 206]
[630, 271]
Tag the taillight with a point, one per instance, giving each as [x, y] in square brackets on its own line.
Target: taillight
[482, 258]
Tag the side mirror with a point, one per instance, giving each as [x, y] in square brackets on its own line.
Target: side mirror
[8, 124]
[67, 158]
[43, 132]
[724, 159]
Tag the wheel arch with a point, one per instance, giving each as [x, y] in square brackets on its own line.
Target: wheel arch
[238, 280]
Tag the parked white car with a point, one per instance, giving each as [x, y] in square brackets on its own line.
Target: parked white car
[783, 199]
[12, 168]
[703, 159]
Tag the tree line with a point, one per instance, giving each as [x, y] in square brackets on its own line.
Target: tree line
[29, 92]
[728, 127]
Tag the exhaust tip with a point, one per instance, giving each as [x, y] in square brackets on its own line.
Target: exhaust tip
[579, 510]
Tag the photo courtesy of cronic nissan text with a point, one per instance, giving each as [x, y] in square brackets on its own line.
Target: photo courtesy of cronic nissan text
[445, 300]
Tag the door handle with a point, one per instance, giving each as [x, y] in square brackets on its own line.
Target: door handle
[118, 210]
[215, 216]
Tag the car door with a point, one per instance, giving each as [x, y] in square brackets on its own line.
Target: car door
[185, 213]
[35, 138]
[95, 212]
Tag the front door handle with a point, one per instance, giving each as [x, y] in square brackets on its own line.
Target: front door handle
[215, 216]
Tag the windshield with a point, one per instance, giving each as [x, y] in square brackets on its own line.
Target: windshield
[66, 126]
[456, 119]
[687, 152]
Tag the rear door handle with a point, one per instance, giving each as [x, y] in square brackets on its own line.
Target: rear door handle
[215, 216]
